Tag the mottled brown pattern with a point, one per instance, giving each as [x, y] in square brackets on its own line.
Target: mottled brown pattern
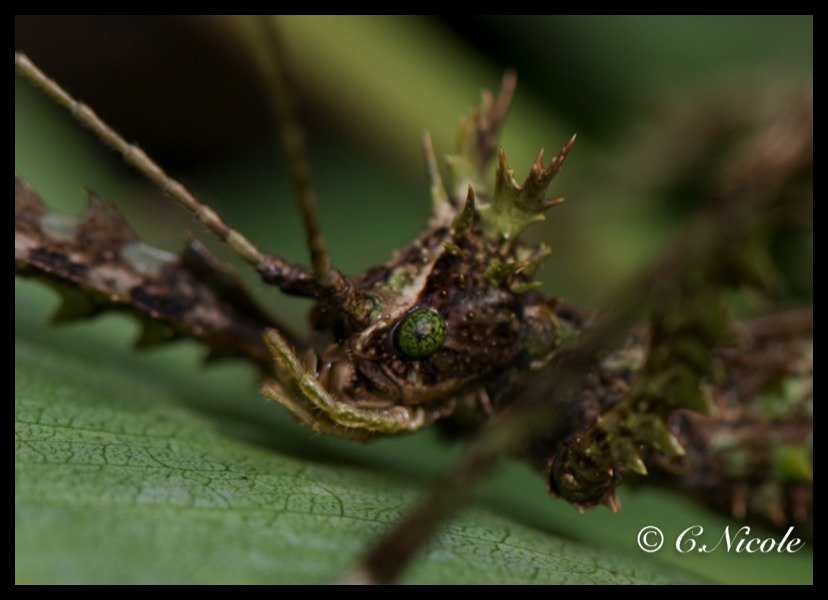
[753, 458]
[638, 406]
[88, 263]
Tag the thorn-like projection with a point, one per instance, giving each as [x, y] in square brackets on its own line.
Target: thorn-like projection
[513, 206]
[465, 219]
[476, 143]
[540, 177]
[440, 201]
[612, 502]
[637, 465]
[660, 437]
[491, 118]
[75, 305]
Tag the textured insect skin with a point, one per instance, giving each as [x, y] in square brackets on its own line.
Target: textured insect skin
[469, 269]
[475, 284]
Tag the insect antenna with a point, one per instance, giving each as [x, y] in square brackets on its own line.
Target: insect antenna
[323, 282]
[280, 83]
[271, 55]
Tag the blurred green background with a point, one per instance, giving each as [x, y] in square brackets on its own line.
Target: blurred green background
[187, 91]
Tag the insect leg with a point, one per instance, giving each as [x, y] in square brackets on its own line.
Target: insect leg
[301, 392]
[293, 279]
[325, 282]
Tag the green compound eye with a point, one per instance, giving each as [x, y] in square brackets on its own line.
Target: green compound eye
[421, 333]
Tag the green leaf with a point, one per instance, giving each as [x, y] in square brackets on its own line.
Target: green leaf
[126, 474]
[116, 483]
[145, 468]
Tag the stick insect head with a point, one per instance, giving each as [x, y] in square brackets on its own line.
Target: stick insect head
[449, 320]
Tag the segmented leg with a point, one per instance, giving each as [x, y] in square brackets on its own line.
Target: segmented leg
[300, 391]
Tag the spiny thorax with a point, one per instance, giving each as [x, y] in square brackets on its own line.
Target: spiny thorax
[473, 218]
[470, 267]
[482, 222]
[496, 214]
